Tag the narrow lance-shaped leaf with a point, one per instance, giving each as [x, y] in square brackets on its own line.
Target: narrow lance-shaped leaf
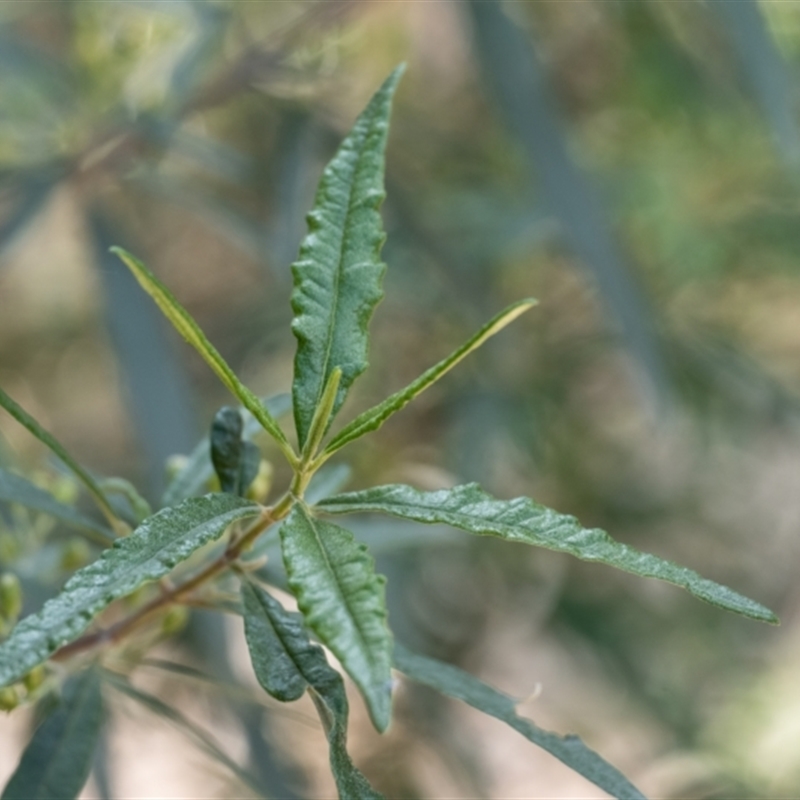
[150, 552]
[338, 274]
[57, 761]
[343, 602]
[373, 418]
[47, 438]
[286, 664]
[16, 489]
[522, 520]
[193, 731]
[190, 330]
[571, 750]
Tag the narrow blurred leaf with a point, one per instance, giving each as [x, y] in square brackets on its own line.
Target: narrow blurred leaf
[373, 418]
[189, 329]
[286, 663]
[47, 439]
[771, 81]
[338, 274]
[30, 199]
[519, 84]
[150, 552]
[195, 474]
[200, 737]
[157, 391]
[16, 489]
[571, 750]
[522, 520]
[343, 602]
[57, 761]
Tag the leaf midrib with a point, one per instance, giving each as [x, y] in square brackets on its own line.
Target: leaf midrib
[364, 642]
[338, 272]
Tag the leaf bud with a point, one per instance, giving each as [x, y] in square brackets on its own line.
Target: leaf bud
[35, 678]
[174, 620]
[9, 698]
[10, 597]
[174, 465]
[76, 553]
[262, 483]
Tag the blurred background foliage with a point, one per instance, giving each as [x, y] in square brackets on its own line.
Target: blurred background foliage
[634, 165]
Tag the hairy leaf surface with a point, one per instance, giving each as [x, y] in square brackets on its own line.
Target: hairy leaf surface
[373, 418]
[522, 520]
[343, 602]
[190, 330]
[57, 761]
[150, 552]
[16, 489]
[286, 663]
[338, 273]
[571, 750]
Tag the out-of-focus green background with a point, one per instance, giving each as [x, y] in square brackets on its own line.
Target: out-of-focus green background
[634, 165]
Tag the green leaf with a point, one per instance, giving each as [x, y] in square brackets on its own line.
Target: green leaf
[226, 448]
[150, 552]
[16, 489]
[197, 471]
[571, 750]
[373, 418]
[189, 329]
[47, 439]
[57, 761]
[338, 274]
[343, 602]
[522, 520]
[286, 664]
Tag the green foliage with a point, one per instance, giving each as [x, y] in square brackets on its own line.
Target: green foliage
[155, 548]
[57, 761]
[338, 276]
[190, 331]
[332, 576]
[342, 599]
[287, 664]
[522, 520]
[46, 438]
[454, 682]
[16, 489]
[373, 418]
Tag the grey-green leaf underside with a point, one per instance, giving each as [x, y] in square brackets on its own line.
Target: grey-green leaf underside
[373, 418]
[571, 750]
[286, 664]
[343, 602]
[16, 489]
[57, 761]
[338, 273]
[150, 552]
[522, 520]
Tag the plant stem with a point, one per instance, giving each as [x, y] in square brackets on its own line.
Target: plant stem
[235, 548]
